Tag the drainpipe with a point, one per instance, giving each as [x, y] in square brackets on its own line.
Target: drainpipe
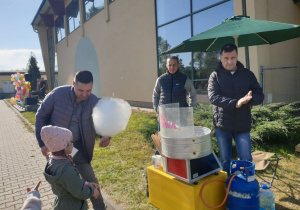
[246, 48]
[262, 81]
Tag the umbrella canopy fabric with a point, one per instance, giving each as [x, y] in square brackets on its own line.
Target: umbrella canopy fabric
[240, 30]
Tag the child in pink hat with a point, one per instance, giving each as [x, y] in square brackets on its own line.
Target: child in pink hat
[71, 191]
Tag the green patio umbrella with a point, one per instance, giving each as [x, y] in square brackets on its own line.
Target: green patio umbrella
[241, 30]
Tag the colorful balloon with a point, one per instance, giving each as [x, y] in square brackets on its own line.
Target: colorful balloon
[22, 87]
[12, 100]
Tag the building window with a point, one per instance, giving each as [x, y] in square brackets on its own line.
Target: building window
[169, 10]
[110, 1]
[169, 36]
[73, 16]
[202, 4]
[179, 20]
[92, 7]
[60, 28]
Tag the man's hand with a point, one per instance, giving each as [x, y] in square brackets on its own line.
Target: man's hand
[96, 193]
[93, 185]
[96, 188]
[104, 142]
[45, 150]
[244, 100]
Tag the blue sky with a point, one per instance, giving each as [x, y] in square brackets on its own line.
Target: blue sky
[17, 37]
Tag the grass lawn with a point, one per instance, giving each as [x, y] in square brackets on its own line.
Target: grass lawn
[121, 166]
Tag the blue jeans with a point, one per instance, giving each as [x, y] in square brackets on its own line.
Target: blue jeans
[243, 147]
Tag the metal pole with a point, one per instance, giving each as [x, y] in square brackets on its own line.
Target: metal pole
[262, 81]
[192, 34]
[246, 48]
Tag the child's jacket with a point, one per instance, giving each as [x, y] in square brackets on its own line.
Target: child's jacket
[70, 190]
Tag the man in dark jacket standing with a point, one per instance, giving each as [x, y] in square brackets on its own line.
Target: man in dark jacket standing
[233, 89]
[173, 86]
[43, 87]
[71, 107]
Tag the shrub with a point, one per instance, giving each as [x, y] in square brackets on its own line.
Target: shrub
[274, 131]
[292, 109]
[275, 106]
[293, 124]
[260, 115]
[272, 123]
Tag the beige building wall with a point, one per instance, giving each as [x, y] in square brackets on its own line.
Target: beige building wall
[123, 36]
[277, 84]
[125, 43]
[287, 52]
[279, 54]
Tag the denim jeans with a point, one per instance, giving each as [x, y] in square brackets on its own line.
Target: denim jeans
[87, 173]
[243, 147]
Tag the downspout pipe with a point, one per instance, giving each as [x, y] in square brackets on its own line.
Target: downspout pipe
[246, 48]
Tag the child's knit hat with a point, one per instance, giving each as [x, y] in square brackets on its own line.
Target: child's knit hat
[55, 138]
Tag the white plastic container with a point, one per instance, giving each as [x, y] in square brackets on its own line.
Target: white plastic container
[266, 197]
[156, 160]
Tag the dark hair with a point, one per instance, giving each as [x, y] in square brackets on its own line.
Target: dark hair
[83, 76]
[229, 48]
[59, 153]
[173, 57]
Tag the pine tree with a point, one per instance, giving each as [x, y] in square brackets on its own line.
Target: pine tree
[34, 70]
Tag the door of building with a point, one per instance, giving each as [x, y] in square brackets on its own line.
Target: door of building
[8, 87]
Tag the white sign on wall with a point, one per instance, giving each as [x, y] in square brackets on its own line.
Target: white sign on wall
[8, 87]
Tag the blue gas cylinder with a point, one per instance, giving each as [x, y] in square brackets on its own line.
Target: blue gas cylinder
[244, 188]
[266, 197]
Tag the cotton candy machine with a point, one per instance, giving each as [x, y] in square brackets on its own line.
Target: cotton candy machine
[198, 146]
[186, 149]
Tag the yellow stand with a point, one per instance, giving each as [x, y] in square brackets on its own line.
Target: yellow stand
[168, 192]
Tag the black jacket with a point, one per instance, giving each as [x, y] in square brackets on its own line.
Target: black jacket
[173, 88]
[173, 91]
[224, 91]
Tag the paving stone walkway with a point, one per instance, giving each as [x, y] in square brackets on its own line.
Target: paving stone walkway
[21, 161]
[22, 164]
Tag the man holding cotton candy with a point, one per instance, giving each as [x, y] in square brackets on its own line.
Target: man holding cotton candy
[71, 107]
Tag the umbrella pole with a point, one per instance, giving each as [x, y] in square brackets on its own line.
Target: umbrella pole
[246, 51]
[236, 40]
[246, 48]
[247, 57]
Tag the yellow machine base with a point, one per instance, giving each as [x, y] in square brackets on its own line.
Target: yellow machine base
[167, 192]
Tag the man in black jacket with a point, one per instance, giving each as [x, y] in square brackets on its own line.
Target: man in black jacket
[173, 87]
[233, 89]
[43, 87]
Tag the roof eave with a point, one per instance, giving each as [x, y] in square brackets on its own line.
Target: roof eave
[37, 13]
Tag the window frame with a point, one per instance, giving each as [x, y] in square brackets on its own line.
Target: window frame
[71, 10]
[95, 10]
[191, 16]
[59, 27]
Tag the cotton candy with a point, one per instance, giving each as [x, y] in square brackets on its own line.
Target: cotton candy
[111, 116]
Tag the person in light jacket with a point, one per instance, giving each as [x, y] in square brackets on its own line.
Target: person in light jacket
[71, 107]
